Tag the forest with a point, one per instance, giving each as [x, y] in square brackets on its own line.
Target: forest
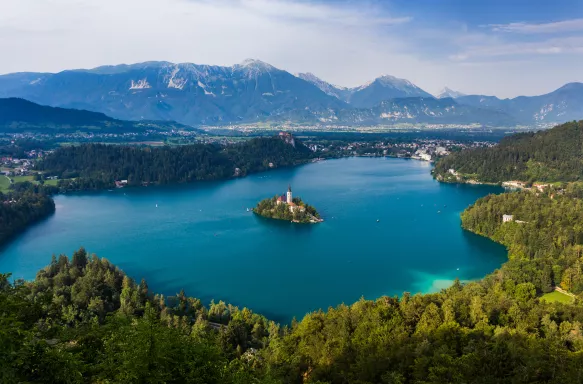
[21, 207]
[553, 155]
[545, 237]
[98, 166]
[82, 320]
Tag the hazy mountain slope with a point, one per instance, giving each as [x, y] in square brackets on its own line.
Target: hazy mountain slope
[447, 92]
[563, 104]
[18, 115]
[254, 91]
[437, 111]
[414, 110]
[341, 93]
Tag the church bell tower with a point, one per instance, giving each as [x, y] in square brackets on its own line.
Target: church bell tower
[289, 194]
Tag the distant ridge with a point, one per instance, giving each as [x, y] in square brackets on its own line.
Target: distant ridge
[370, 94]
[254, 91]
[17, 115]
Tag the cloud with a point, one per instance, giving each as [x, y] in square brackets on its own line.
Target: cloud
[314, 12]
[341, 42]
[573, 25]
[345, 42]
[563, 45]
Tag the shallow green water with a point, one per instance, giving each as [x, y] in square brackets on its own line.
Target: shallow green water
[200, 237]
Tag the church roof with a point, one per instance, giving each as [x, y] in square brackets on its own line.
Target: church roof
[289, 188]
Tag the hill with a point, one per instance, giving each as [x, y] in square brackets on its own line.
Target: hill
[98, 166]
[18, 115]
[552, 155]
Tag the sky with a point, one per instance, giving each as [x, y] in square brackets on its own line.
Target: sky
[504, 48]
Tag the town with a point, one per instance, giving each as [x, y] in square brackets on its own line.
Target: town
[421, 149]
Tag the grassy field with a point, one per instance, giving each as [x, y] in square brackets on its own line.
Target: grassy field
[557, 296]
[20, 179]
[4, 183]
[51, 182]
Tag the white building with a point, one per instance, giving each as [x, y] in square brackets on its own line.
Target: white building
[507, 218]
[289, 195]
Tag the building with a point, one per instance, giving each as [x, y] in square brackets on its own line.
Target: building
[287, 199]
[507, 218]
[441, 151]
[289, 194]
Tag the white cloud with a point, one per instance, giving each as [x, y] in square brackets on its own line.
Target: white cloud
[52, 35]
[347, 43]
[562, 45]
[573, 25]
[343, 15]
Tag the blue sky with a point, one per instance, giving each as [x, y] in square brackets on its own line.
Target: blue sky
[503, 48]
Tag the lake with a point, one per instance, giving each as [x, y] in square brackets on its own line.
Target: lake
[200, 236]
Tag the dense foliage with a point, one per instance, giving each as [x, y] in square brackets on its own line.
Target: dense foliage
[83, 320]
[97, 166]
[22, 206]
[545, 239]
[303, 214]
[552, 155]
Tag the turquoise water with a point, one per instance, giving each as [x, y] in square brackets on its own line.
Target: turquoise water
[201, 238]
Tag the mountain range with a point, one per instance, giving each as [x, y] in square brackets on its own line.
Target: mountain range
[254, 91]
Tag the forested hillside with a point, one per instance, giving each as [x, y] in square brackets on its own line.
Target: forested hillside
[83, 320]
[96, 166]
[545, 238]
[553, 155]
[22, 207]
[19, 115]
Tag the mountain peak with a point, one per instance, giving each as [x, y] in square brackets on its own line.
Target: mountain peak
[383, 88]
[388, 81]
[256, 64]
[570, 87]
[448, 92]
[391, 79]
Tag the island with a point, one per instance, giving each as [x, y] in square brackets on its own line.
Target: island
[287, 207]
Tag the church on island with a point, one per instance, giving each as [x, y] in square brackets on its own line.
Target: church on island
[287, 207]
[288, 199]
